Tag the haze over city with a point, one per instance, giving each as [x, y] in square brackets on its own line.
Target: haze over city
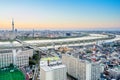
[59, 39]
[60, 14]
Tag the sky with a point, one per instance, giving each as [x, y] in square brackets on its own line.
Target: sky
[60, 14]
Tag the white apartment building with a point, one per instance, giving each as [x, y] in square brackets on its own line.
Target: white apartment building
[82, 70]
[53, 72]
[71, 64]
[16, 57]
[6, 58]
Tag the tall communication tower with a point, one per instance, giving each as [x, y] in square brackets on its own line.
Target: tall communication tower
[12, 25]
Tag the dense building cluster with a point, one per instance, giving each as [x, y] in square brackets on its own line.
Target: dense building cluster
[82, 69]
[93, 63]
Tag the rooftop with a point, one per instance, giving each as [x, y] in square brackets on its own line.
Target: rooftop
[6, 51]
[50, 58]
[50, 68]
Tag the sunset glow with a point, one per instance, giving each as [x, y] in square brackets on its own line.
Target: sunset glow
[60, 14]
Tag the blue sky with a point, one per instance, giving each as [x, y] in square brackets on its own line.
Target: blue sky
[60, 14]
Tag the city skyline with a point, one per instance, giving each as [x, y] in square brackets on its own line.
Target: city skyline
[60, 14]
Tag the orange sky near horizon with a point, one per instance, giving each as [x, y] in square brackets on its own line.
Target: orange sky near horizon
[60, 14]
[57, 25]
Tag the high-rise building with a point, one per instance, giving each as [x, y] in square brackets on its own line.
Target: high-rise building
[81, 69]
[53, 71]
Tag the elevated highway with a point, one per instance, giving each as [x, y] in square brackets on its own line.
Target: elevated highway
[49, 42]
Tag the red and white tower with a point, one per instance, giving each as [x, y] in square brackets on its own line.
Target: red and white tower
[94, 49]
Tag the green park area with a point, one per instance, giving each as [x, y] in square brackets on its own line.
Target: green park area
[11, 74]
